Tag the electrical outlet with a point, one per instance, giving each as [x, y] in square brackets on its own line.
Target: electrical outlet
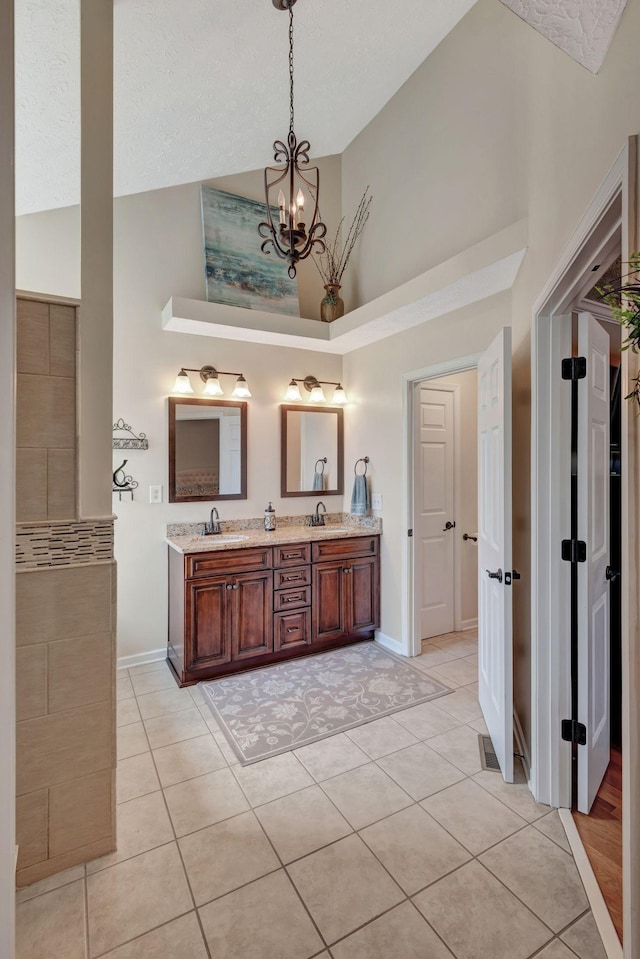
[155, 494]
[377, 501]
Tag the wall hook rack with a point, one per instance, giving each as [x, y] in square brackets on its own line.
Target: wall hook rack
[123, 483]
[132, 441]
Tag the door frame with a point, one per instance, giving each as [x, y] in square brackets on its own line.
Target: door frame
[410, 380]
[612, 210]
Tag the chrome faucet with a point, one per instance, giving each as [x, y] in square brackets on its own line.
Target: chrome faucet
[317, 519]
[213, 526]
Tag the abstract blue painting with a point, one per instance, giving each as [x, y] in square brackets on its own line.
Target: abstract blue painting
[238, 272]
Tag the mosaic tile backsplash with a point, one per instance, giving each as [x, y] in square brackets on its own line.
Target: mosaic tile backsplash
[63, 544]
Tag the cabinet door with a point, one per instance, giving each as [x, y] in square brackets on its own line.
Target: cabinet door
[362, 595]
[328, 601]
[209, 617]
[252, 614]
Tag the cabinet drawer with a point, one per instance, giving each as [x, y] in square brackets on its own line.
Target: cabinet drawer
[295, 555]
[291, 598]
[227, 561]
[291, 629]
[344, 548]
[298, 576]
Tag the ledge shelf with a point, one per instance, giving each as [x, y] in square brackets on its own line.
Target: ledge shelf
[483, 270]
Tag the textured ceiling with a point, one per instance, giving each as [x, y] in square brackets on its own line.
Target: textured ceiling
[201, 85]
[582, 28]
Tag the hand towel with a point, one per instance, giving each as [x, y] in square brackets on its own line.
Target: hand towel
[360, 503]
[318, 481]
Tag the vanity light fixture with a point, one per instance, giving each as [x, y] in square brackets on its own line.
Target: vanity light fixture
[212, 386]
[314, 386]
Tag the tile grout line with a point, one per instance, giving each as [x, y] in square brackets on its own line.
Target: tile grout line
[467, 776]
[179, 850]
[282, 864]
[174, 840]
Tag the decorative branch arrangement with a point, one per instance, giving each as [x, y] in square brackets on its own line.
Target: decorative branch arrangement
[623, 298]
[333, 262]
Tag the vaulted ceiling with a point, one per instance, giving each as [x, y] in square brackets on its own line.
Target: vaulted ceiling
[201, 86]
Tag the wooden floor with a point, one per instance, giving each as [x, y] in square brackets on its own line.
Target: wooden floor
[601, 834]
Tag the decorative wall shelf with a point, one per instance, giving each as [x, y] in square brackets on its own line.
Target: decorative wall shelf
[130, 440]
[483, 270]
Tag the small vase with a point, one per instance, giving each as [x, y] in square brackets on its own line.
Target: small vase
[332, 306]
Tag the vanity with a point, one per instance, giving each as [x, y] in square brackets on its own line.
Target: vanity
[249, 602]
[242, 597]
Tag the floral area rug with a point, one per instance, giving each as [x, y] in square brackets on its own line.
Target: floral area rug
[271, 710]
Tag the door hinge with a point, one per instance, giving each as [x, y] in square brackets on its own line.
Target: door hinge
[409, 532]
[574, 732]
[574, 551]
[574, 368]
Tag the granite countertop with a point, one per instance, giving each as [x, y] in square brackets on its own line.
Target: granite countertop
[246, 538]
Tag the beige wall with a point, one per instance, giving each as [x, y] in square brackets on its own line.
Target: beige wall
[497, 124]
[158, 253]
[375, 426]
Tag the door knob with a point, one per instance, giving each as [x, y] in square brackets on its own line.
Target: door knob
[612, 574]
[449, 526]
[497, 575]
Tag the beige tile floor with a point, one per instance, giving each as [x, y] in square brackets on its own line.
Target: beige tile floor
[385, 842]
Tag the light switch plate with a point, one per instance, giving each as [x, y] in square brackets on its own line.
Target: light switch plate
[376, 501]
[155, 494]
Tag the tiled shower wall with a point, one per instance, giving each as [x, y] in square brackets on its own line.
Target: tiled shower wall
[65, 612]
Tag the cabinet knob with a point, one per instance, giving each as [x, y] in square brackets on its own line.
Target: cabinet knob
[229, 586]
[346, 569]
[236, 586]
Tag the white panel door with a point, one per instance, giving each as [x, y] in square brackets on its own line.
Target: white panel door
[495, 619]
[593, 587]
[433, 509]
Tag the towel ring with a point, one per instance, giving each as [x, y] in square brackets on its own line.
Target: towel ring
[323, 461]
[363, 459]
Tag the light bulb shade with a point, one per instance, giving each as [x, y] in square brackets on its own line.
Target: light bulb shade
[340, 397]
[212, 387]
[293, 394]
[241, 390]
[317, 395]
[182, 383]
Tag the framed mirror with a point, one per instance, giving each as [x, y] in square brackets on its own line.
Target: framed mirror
[207, 449]
[312, 448]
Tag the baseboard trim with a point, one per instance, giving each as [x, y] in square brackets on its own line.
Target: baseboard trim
[388, 643]
[141, 659]
[469, 624]
[599, 909]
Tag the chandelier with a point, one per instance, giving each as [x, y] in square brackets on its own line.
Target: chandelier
[299, 229]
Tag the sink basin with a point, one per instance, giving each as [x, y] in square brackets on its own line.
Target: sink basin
[226, 538]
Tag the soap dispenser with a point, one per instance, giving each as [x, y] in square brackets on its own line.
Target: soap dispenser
[269, 518]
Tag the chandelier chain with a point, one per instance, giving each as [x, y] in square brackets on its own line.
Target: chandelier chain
[291, 67]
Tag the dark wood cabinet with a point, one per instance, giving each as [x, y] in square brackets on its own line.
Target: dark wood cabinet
[208, 613]
[239, 609]
[329, 601]
[251, 614]
[346, 598]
